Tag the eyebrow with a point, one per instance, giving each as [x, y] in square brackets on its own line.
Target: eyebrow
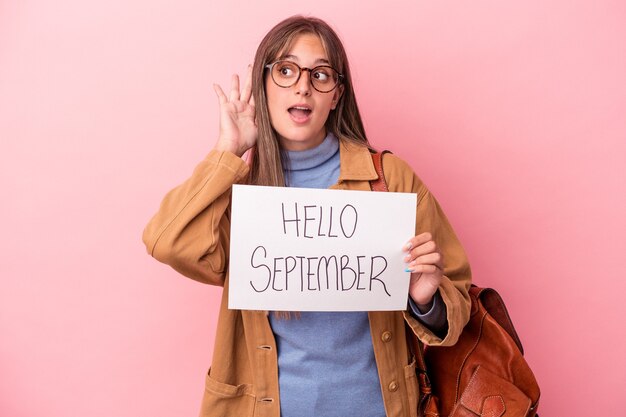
[295, 58]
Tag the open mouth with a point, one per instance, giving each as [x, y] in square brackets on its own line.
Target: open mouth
[299, 113]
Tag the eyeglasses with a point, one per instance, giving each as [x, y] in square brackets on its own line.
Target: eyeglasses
[323, 78]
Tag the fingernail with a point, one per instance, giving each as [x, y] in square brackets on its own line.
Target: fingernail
[407, 270]
[408, 246]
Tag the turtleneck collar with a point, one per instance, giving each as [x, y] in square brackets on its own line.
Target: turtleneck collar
[311, 158]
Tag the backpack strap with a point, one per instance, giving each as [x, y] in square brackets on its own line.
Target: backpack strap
[379, 184]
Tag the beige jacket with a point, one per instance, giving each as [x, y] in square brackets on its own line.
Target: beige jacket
[190, 232]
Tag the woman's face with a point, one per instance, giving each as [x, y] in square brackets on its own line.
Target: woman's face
[298, 113]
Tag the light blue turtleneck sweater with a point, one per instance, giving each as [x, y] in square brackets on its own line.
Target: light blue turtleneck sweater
[326, 364]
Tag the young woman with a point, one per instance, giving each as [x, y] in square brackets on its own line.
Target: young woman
[297, 116]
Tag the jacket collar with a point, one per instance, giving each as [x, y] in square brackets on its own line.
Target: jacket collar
[356, 162]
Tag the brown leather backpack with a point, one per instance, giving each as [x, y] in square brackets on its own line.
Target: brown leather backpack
[484, 373]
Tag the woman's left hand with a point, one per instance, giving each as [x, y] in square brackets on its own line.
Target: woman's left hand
[426, 266]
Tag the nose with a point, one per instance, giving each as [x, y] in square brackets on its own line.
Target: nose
[303, 86]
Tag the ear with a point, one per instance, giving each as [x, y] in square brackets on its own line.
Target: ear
[336, 96]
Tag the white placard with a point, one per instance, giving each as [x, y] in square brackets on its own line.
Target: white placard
[300, 249]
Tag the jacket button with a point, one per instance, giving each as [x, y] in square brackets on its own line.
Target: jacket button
[393, 386]
[386, 336]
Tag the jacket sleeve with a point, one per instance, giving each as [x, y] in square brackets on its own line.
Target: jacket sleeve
[454, 288]
[191, 230]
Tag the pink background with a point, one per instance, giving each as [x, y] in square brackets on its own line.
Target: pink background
[514, 113]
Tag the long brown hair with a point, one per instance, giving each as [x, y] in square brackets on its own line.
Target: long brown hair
[266, 167]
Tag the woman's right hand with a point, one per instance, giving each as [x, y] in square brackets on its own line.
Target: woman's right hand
[238, 130]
